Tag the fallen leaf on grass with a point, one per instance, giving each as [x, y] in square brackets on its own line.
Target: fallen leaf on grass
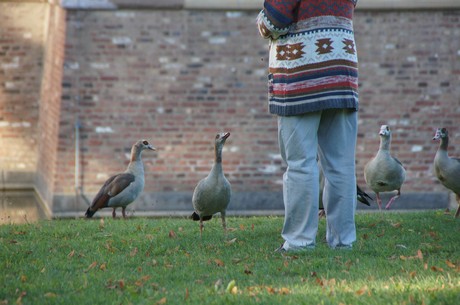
[362, 290]
[162, 301]
[219, 262]
[231, 241]
[23, 278]
[133, 252]
[19, 299]
[396, 225]
[172, 234]
[450, 264]
[187, 294]
[420, 255]
[436, 269]
[103, 267]
[93, 264]
[284, 290]
[242, 227]
[50, 295]
[246, 270]
[71, 254]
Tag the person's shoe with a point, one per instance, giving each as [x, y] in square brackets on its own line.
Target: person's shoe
[281, 249]
[284, 249]
[343, 247]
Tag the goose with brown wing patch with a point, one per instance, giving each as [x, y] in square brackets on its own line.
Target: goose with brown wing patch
[122, 189]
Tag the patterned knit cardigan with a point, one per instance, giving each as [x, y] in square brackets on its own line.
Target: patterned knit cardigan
[313, 63]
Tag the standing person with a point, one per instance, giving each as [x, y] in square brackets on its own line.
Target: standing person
[313, 88]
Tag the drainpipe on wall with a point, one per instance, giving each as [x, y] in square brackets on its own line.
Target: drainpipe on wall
[78, 188]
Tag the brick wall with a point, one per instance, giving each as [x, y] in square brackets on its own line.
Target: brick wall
[176, 77]
[21, 53]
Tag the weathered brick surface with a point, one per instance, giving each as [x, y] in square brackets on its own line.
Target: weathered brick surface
[21, 52]
[177, 77]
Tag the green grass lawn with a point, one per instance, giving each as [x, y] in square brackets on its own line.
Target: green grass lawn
[399, 258]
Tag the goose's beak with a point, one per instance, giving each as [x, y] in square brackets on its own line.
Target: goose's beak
[151, 147]
[226, 135]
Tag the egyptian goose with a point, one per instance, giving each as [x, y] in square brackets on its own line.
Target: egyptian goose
[447, 169]
[384, 173]
[360, 194]
[122, 189]
[212, 194]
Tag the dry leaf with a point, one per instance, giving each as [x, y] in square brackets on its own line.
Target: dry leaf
[450, 264]
[103, 267]
[396, 225]
[252, 227]
[420, 254]
[133, 252]
[270, 290]
[101, 223]
[50, 295]
[231, 241]
[187, 294]
[436, 269]
[219, 262]
[19, 299]
[247, 271]
[172, 234]
[241, 227]
[413, 274]
[381, 234]
[93, 264]
[284, 290]
[121, 284]
[361, 291]
[71, 254]
[162, 301]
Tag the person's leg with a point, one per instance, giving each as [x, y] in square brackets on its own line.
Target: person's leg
[298, 147]
[337, 142]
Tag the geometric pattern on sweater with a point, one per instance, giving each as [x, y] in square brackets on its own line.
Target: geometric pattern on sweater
[314, 67]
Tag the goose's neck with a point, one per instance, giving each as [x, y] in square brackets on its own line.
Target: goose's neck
[385, 143]
[444, 143]
[218, 152]
[135, 155]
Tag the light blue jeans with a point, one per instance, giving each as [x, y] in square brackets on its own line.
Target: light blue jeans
[330, 135]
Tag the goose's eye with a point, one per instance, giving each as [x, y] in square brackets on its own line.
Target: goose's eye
[145, 142]
[388, 128]
[217, 136]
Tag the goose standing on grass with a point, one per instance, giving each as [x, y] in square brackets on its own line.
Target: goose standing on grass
[122, 189]
[447, 169]
[212, 194]
[384, 173]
